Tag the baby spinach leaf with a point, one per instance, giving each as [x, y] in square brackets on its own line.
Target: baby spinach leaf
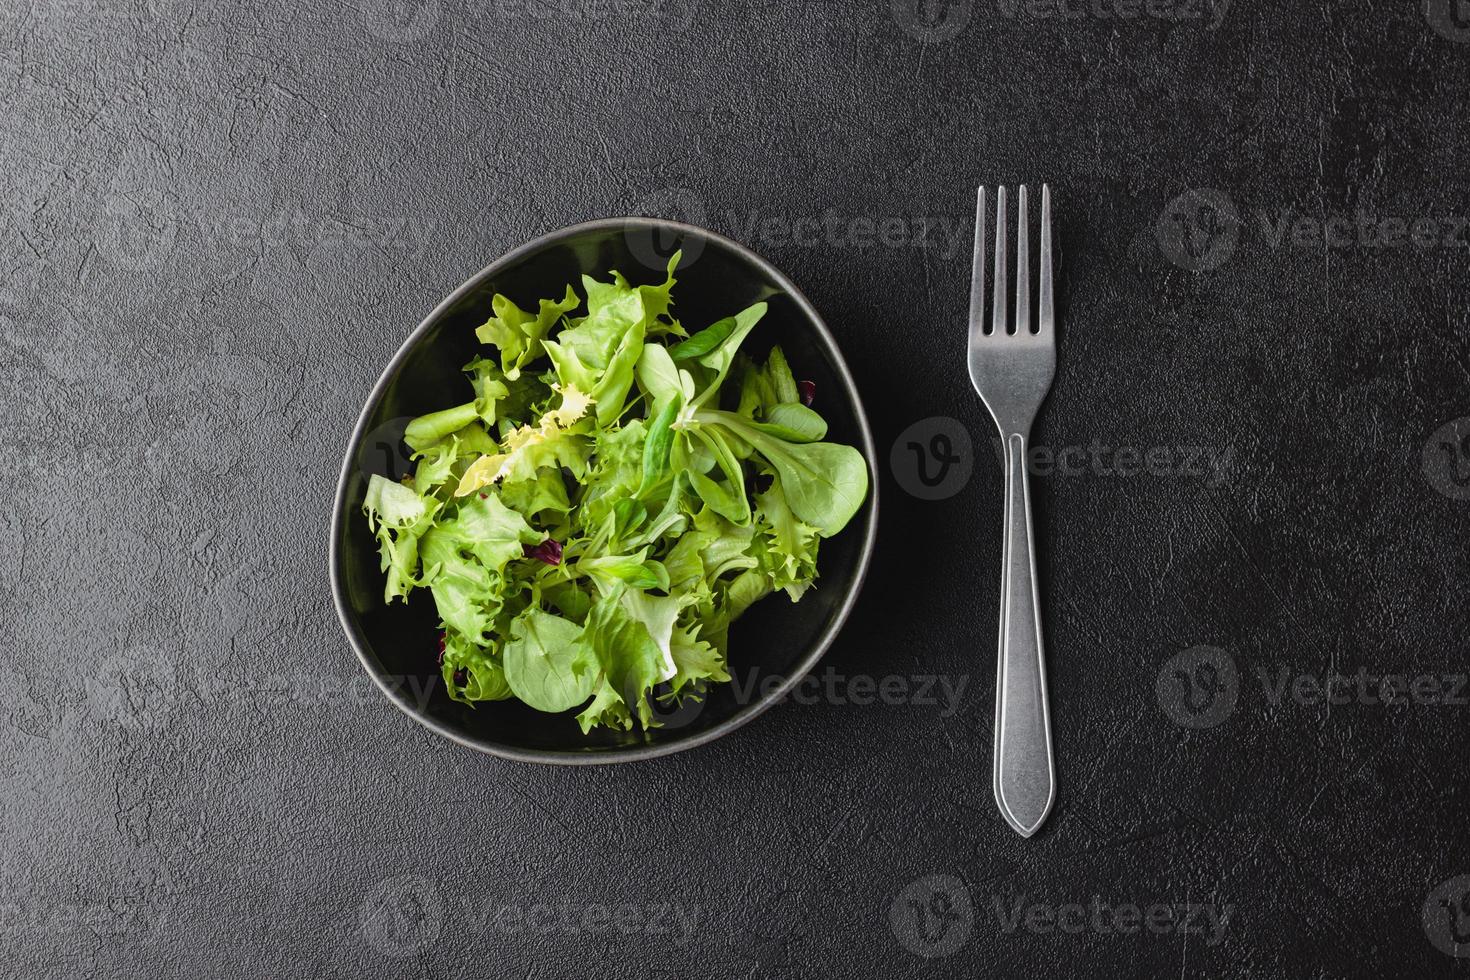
[794, 422]
[727, 499]
[825, 483]
[722, 355]
[547, 663]
[706, 340]
[790, 422]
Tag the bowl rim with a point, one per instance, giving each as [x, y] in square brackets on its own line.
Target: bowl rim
[747, 712]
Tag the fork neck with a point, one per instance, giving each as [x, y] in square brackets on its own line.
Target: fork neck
[1014, 445]
[1013, 426]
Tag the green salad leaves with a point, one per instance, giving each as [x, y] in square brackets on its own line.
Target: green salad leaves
[615, 494]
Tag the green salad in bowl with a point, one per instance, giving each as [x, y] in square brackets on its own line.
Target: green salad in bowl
[610, 492]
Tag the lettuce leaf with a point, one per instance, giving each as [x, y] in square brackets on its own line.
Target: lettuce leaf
[519, 334]
[399, 517]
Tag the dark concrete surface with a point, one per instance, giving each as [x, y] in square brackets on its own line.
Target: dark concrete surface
[219, 222]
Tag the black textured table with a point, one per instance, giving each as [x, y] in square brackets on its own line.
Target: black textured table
[1252, 487]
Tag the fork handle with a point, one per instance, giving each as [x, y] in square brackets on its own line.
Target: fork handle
[1025, 778]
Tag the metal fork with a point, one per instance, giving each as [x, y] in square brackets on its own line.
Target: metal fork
[1012, 364]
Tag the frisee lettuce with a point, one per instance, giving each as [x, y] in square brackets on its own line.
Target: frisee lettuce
[585, 523]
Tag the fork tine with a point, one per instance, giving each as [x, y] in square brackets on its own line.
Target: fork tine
[1023, 263]
[998, 318]
[977, 270]
[1045, 321]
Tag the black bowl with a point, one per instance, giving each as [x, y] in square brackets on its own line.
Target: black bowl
[771, 646]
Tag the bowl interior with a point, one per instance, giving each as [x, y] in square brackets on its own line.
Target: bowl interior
[774, 641]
